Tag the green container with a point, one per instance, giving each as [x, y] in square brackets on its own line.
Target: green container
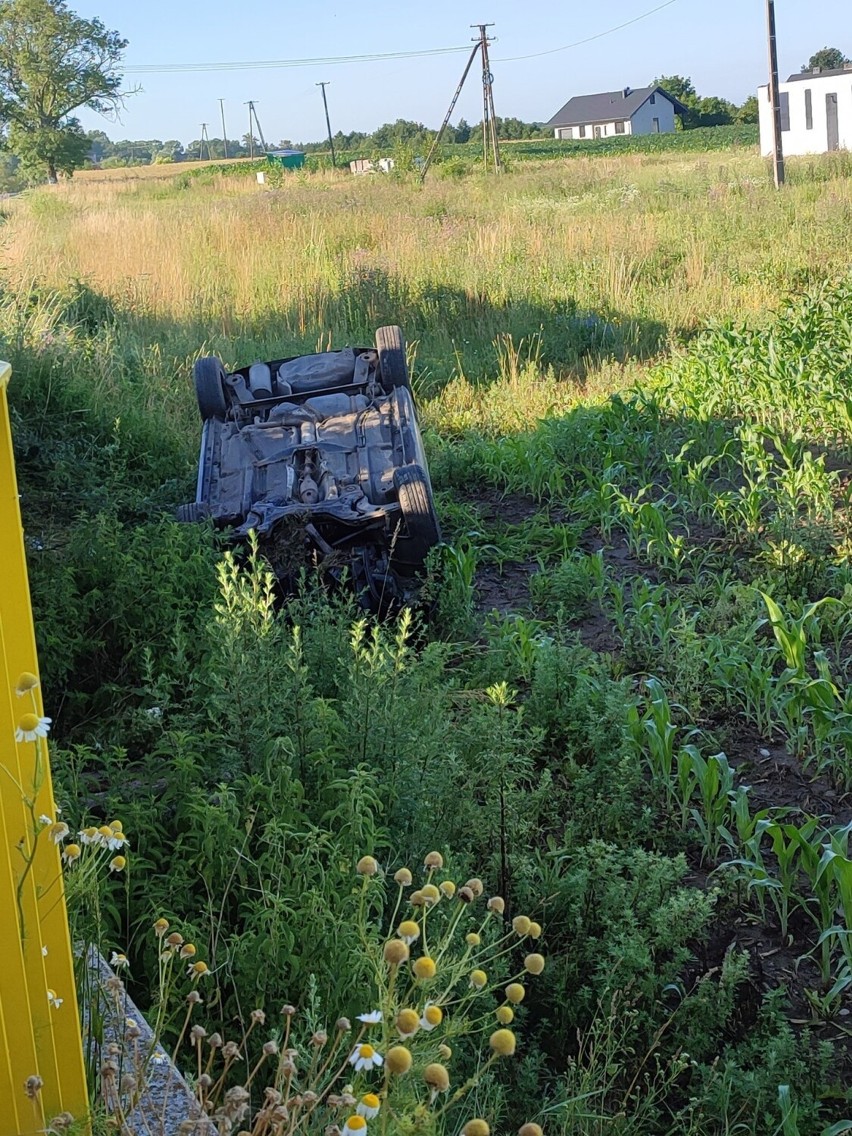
[289, 159]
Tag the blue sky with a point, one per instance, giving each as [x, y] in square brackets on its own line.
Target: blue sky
[719, 43]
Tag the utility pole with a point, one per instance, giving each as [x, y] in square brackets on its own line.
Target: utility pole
[253, 115]
[328, 122]
[489, 126]
[204, 138]
[774, 97]
[453, 102]
[224, 131]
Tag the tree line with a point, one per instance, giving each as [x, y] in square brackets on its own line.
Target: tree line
[54, 62]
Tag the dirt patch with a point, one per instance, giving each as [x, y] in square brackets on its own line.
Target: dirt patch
[777, 778]
[617, 555]
[505, 589]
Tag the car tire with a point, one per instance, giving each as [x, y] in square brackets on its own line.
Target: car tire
[422, 531]
[390, 345]
[209, 376]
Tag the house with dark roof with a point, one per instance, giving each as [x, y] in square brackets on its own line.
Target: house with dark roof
[648, 110]
[816, 112]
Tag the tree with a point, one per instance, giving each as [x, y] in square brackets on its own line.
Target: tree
[683, 89]
[827, 59]
[749, 112]
[53, 62]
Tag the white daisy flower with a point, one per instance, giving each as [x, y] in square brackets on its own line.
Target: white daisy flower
[45, 820]
[368, 1106]
[54, 1000]
[31, 727]
[118, 961]
[44, 952]
[354, 1126]
[365, 1057]
[372, 1018]
[116, 841]
[59, 831]
[432, 1017]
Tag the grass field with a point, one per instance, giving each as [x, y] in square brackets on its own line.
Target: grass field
[629, 708]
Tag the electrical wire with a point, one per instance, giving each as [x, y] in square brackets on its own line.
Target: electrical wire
[589, 39]
[266, 64]
[376, 57]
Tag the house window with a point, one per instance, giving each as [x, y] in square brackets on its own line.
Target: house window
[655, 128]
[619, 127]
[785, 110]
[653, 100]
[809, 111]
[582, 132]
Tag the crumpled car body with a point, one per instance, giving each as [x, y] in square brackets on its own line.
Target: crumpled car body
[321, 456]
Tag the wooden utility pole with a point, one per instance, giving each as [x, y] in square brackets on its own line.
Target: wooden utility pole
[327, 122]
[253, 116]
[490, 144]
[224, 131]
[453, 102]
[774, 97]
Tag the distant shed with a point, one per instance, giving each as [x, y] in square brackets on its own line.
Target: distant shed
[289, 159]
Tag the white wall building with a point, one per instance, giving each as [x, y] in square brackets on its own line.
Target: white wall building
[816, 113]
[650, 110]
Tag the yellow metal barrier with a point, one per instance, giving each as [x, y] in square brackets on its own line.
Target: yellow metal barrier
[41, 1056]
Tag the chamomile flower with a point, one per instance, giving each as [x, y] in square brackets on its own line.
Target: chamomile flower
[117, 864]
[70, 853]
[59, 831]
[355, 1126]
[118, 961]
[432, 1017]
[365, 1057]
[26, 682]
[31, 727]
[408, 931]
[54, 1000]
[89, 836]
[44, 820]
[372, 1018]
[198, 970]
[368, 1106]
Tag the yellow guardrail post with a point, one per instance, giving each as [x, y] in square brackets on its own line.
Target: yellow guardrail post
[41, 1056]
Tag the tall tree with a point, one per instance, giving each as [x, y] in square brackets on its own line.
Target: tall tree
[52, 62]
[827, 59]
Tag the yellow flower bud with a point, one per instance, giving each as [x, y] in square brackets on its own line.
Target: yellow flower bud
[424, 967]
[535, 930]
[515, 993]
[503, 1042]
[433, 1016]
[116, 826]
[505, 1015]
[534, 964]
[408, 931]
[26, 682]
[430, 894]
[366, 866]
[472, 939]
[160, 927]
[448, 888]
[530, 1129]
[521, 925]
[407, 1022]
[476, 886]
[403, 877]
[445, 1052]
[398, 1060]
[476, 1127]
[434, 860]
[106, 832]
[396, 952]
[436, 1077]
[478, 979]
[188, 951]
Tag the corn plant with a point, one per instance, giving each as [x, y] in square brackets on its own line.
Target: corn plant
[714, 780]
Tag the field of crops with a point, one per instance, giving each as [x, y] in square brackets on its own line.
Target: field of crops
[625, 705]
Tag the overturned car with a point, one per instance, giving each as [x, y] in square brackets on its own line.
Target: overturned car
[321, 456]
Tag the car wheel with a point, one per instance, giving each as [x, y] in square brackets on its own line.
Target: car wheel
[422, 531]
[390, 344]
[209, 375]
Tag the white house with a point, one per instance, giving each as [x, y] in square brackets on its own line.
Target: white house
[816, 113]
[650, 110]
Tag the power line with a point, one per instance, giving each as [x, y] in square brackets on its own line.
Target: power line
[266, 64]
[589, 39]
[261, 64]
